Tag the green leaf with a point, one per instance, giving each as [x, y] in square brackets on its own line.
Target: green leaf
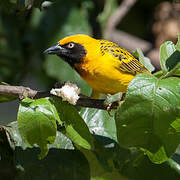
[144, 169]
[178, 43]
[174, 71]
[169, 56]
[98, 172]
[4, 83]
[144, 60]
[177, 73]
[100, 122]
[15, 138]
[173, 61]
[113, 98]
[75, 127]
[158, 74]
[166, 50]
[61, 155]
[37, 123]
[149, 116]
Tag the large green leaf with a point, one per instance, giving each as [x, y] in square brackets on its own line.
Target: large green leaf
[37, 123]
[101, 160]
[15, 139]
[73, 126]
[149, 118]
[110, 171]
[122, 164]
[142, 168]
[177, 73]
[22, 161]
[100, 122]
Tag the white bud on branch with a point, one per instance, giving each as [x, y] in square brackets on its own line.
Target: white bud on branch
[69, 92]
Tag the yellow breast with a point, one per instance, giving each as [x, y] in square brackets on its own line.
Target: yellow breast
[103, 75]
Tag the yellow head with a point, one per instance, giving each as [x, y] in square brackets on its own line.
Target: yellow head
[76, 48]
[77, 38]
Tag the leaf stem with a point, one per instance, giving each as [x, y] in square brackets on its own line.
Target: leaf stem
[171, 72]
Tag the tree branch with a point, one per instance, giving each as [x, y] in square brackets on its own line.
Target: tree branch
[22, 92]
[126, 40]
[120, 12]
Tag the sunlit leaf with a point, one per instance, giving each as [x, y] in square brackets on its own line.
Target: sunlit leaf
[148, 119]
[178, 43]
[100, 122]
[37, 123]
[74, 126]
[113, 98]
[144, 60]
[169, 56]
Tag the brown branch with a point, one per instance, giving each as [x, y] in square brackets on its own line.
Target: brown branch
[17, 91]
[22, 92]
[126, 40]
[129, 41]
[120, 12]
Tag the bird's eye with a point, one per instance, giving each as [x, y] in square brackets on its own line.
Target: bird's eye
[70, 45]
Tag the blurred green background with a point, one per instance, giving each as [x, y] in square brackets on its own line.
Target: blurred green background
[28, 27]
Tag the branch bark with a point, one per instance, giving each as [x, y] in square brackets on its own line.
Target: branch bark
[22, 92]
[120, 12]
[126, 40]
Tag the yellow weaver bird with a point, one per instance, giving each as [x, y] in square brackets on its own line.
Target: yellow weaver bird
[104, 65]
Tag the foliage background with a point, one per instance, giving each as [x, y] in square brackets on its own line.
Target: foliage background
[25, 32]
[27, 28]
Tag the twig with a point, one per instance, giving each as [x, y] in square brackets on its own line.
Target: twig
[18, 91]
[126, 40]
[22, 92]
[118, 15]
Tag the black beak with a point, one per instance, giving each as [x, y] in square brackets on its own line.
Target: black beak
[57, 49]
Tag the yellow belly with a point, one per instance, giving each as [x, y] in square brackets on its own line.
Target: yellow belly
[106, 79]
[109, 85]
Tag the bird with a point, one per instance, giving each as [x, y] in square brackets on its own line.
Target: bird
[104, 65]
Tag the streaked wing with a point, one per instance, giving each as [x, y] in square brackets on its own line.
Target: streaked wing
[128, 62]
[133, 66]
